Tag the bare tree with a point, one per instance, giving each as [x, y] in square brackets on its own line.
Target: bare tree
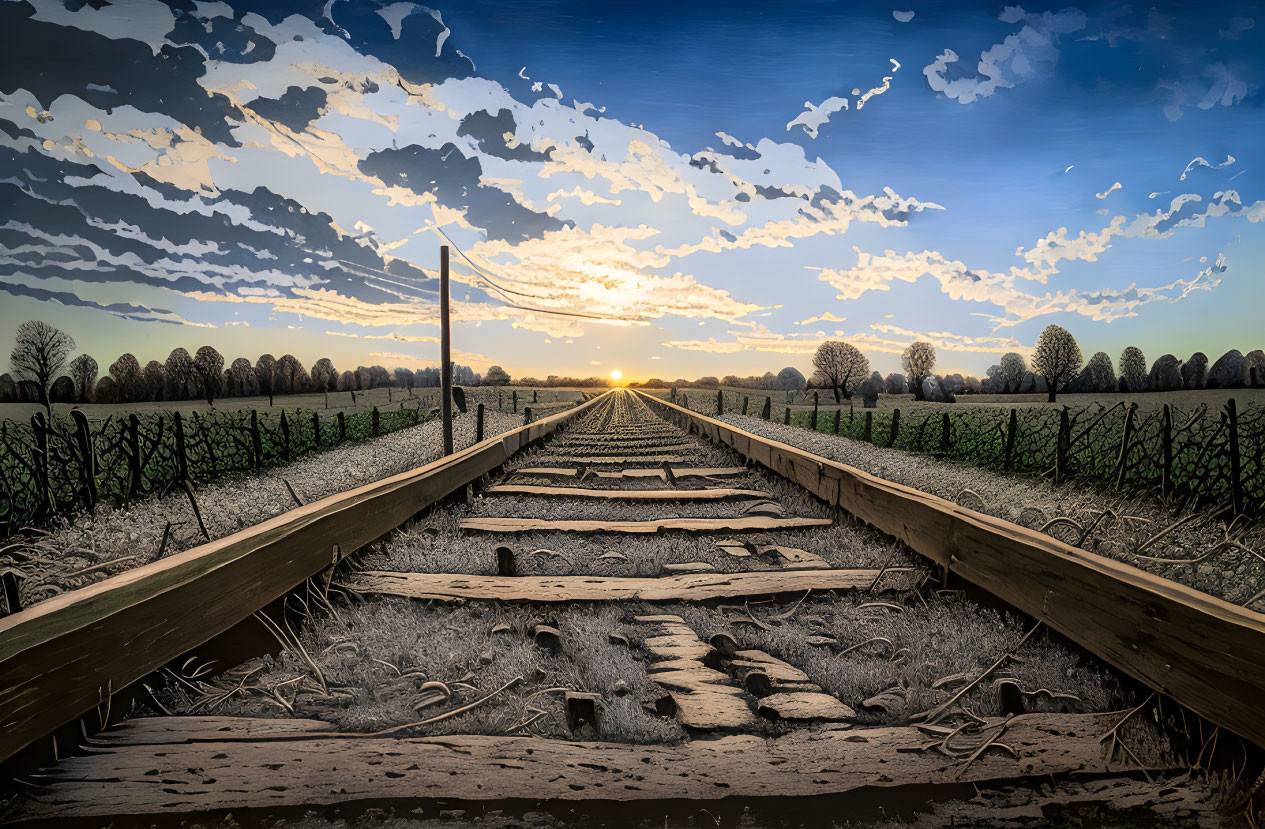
[1099, 374]
[790, 379]
[83, 371]
[154, 381]
[40, 355]
[180, 374]
[241, 378]
[1166, 374]
[1195, 370]
[106, 391]
[126, 371]
[291, 376]
[208, 364]
[918, 361]
[1012, 369]
[841, 367]
[1255, 367]
[497, 376]
[1133, 369]
[266, 374]
[1057, 359]
[324, 375]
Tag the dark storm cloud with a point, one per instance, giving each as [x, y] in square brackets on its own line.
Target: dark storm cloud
[454, 179]
[489, 130]
[295, 109]
[49, 60]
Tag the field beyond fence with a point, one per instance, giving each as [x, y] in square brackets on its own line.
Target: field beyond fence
[1201, 454]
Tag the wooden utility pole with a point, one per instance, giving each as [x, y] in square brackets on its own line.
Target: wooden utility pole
[445, 352]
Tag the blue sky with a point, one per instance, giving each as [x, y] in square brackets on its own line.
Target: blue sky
[722, 185]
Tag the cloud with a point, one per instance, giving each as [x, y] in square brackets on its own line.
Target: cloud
[1113, 188]
[815, 116]
[960, 283]
[1236, 27]
[826, 317]
[883, 338]
[1030, 53]
[1200, 161]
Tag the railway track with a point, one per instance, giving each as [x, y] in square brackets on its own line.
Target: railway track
[625, 613]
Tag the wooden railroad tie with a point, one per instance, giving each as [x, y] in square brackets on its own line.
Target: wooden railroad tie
[277, 763]
[684, 587]
[701, 525]
[628, 494]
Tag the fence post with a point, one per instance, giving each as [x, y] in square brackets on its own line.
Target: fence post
[720, 402]
[514, 396]
[869, 426]
[285, 436]
[83, 436]
[891, 440]
[39, 426]
[767, 411]
[342, 427]
[786, 419]
[745, 401]
[12, 601]
[133, 456]
[316, 431]
[373, 431]
[1011, 428]
[535, 396]
[256, 441]
[1236, 462]
[182, 459]
[1061, 444]
[838, 417]
[526, 415]
[816, 399]
[1166, 445]
[478, 424]
[1129, 416]
[945, 426]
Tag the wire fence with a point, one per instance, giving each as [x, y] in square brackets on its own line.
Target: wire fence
[1196, 455]
[51, 468]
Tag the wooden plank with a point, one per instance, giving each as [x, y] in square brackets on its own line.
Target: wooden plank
[679, 472]
[61, 657]
[1203, 652]
[175, 778]
[612, 460]
[683, 587]
[628, 494]
[704, 525]
[705, 698]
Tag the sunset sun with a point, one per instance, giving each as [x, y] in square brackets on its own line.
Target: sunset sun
[616, 374]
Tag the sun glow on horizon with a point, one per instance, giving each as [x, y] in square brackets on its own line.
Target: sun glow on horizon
[616, 374]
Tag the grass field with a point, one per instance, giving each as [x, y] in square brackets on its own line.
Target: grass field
[704, 400]
[491, 396]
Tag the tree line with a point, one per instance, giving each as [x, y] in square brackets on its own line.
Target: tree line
[43, 372]
[1057, 366]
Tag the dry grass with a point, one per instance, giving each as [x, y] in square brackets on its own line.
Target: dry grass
[94, 546]
[1127, 526]
[374, 657]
